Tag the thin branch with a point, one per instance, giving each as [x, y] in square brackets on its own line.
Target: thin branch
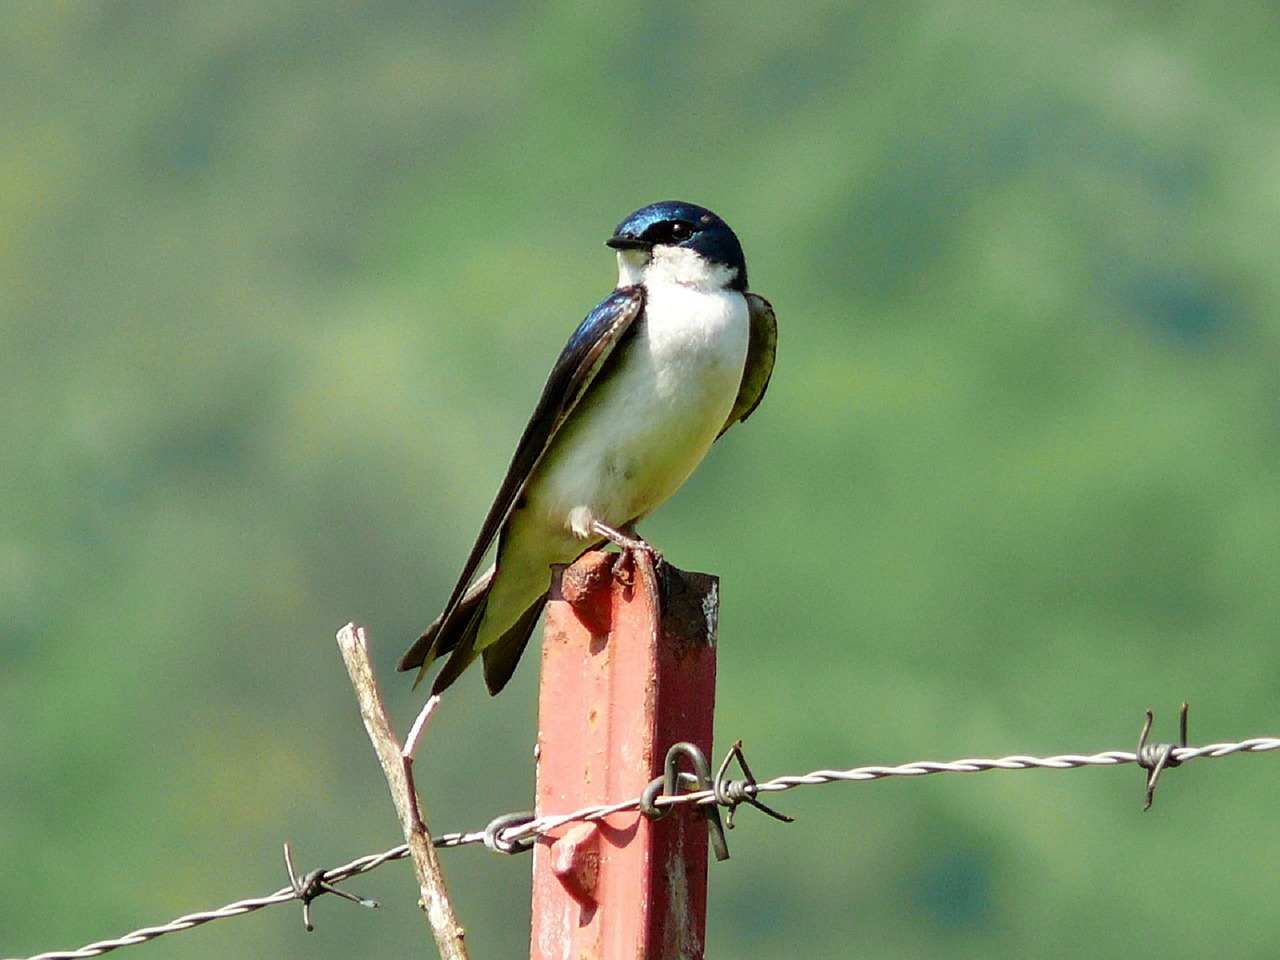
[415, 731]
[435, 897]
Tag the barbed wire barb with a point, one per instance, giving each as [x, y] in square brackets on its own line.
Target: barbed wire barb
[1156, 758]
[515, 832]
[311, 885]
[730, 793]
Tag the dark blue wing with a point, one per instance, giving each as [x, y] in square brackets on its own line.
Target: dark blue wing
[761, 348]
[579, 363]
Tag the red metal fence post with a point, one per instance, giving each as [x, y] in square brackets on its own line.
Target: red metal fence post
[618, 689]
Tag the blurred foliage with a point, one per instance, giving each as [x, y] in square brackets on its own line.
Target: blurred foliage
[266, 342]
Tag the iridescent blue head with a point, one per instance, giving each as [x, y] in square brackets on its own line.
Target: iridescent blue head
[679, 242]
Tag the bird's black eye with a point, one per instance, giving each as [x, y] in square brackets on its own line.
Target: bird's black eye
[670, 232]
[680, 231]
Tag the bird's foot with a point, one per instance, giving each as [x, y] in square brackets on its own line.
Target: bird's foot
[629, 544]
[624, 567]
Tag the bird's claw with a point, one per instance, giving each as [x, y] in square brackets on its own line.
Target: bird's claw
[624, 566]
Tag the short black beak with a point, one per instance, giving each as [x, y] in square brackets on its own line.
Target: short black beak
[623, 242]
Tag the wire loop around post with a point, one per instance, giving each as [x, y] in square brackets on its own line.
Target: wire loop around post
[669, 785]
[493, 833]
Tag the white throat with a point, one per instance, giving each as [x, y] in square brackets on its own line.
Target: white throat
[677, 265]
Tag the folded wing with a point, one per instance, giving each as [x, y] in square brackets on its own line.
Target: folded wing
[582, 359]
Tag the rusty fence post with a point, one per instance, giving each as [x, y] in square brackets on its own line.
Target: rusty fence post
[619, 687]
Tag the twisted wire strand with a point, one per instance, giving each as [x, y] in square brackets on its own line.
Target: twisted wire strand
[511, 837]
[1066, 761]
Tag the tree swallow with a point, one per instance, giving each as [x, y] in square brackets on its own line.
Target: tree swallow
[664, 365]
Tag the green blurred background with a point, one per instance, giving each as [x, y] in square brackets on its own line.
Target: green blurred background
[266, 345]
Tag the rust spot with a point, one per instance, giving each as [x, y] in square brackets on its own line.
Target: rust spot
[578, 582]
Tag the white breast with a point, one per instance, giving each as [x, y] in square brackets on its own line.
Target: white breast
[637, 436]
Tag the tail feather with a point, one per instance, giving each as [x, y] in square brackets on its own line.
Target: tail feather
[454, 633]
[433, 643]
[501, 656]
[464, 654]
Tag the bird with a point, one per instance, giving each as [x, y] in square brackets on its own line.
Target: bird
[678, 353]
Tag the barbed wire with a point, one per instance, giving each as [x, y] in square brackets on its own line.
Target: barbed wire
[515, 833]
